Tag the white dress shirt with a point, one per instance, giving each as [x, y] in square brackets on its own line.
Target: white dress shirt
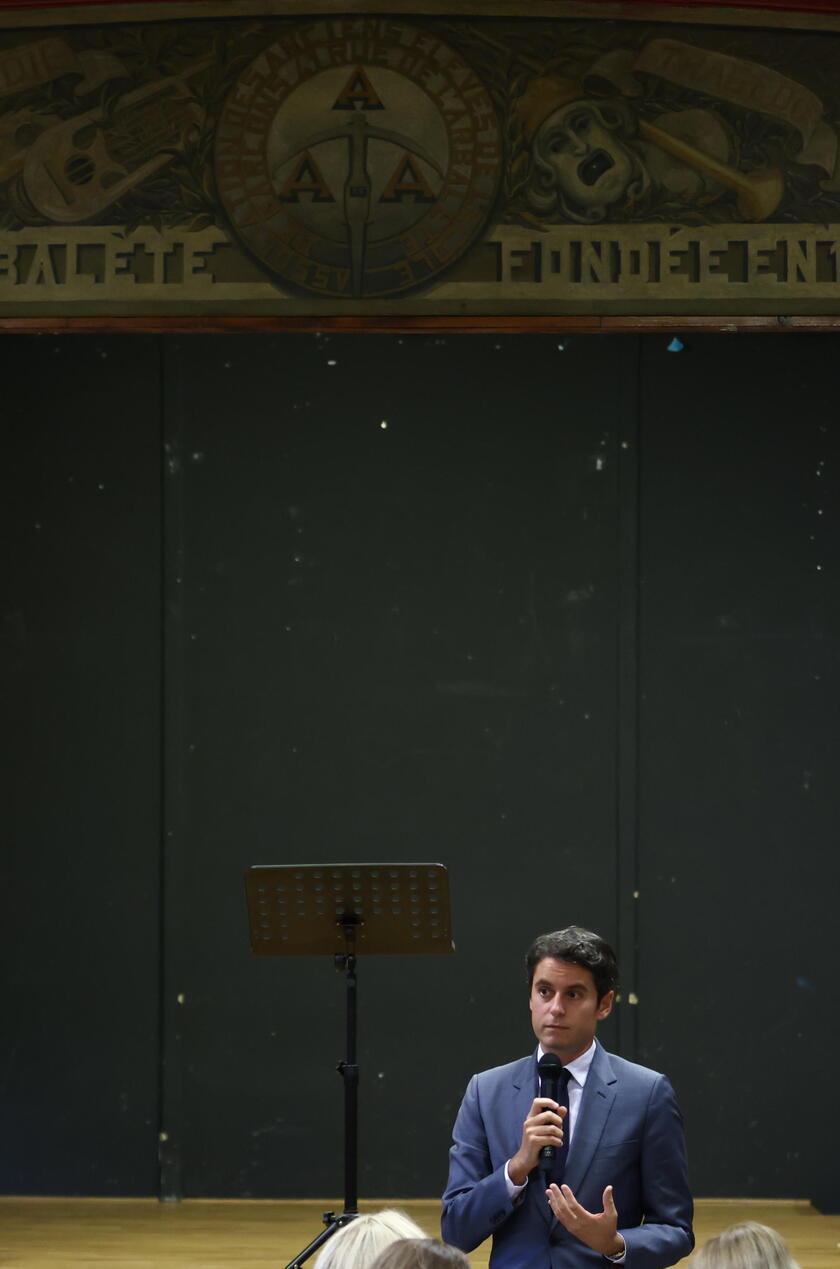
[578, 1071]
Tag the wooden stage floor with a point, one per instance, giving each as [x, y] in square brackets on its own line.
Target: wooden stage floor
[209, 1234]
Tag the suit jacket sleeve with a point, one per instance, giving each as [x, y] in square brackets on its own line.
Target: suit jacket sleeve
[665, 1235]
[476, 1200]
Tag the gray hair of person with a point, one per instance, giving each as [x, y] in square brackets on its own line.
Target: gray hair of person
[745, 1246]
[422, 1253]
[542, 191]
[357, 1244]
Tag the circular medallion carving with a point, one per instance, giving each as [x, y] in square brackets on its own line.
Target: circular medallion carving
[358, 158]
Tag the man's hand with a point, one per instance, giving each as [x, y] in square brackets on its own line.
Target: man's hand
[543, 1127]
[596, 1229]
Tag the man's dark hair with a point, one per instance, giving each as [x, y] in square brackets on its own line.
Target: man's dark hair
[579, 947]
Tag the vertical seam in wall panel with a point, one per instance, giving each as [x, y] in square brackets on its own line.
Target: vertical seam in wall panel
[161, 432]
[627, 752]
[170, 1141]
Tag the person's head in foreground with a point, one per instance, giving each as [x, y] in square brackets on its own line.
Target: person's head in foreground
[357, 1244]
[422, 1253]
[745, 1246]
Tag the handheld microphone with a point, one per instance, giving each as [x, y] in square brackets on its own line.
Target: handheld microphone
[549, 1068]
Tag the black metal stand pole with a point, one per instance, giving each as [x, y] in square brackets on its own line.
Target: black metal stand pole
[349, 1072]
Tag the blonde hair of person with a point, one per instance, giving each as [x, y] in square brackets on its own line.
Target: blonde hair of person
[423, 1253]
[745, 1246]
[357, 1244]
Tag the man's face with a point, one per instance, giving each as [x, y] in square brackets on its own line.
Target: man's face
[593, 168]
[565, 1009]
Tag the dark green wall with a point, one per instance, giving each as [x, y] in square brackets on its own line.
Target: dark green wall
[567, 625]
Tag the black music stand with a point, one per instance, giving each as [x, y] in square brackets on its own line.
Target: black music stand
[344, 910]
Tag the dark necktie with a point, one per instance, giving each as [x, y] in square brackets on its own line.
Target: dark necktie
[561, 1152]
[554, 1083]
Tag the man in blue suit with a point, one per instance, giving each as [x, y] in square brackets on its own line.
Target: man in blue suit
[619, 1190]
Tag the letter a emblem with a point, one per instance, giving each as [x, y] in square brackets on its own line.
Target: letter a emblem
[306, 179]
[358, 94]
[407, 182]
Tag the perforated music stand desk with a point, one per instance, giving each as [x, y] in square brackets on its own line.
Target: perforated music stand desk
[343, 911]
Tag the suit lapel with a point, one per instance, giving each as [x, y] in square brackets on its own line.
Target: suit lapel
[524, 1092]
[595, 1106]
